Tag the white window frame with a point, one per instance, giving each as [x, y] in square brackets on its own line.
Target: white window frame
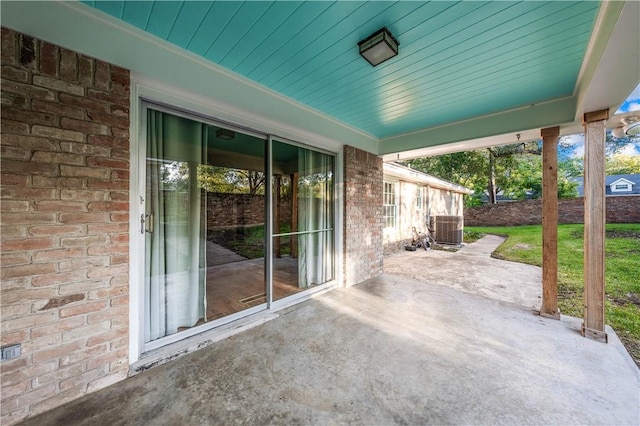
[146, 90]
[390, 203]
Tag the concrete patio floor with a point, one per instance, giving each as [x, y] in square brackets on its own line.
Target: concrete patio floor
[391, 350]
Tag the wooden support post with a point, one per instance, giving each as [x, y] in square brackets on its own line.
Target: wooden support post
[294, 214]
[549, 306]
[277, 183]
[594, 224]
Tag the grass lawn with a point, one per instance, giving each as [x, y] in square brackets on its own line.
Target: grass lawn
[622, 273]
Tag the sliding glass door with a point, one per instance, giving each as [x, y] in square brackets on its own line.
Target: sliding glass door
[205, 209]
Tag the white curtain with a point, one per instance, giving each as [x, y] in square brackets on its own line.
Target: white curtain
[175, 264]
[315, 213]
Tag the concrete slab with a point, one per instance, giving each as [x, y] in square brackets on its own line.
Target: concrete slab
[472, 269]
[389, 351]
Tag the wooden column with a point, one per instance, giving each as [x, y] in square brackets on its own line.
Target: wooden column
[294, 214]
[277, 183]
[594, 224]
[549, 306]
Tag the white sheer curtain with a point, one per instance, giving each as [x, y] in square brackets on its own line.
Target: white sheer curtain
[315, 213]
[175, 264]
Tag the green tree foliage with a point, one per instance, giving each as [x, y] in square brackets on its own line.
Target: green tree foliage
[620, 164]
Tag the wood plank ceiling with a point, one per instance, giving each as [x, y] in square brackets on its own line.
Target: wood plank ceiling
[457, 60]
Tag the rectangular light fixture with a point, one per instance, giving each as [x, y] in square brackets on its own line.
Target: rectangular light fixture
[225, 134]
[379, 47]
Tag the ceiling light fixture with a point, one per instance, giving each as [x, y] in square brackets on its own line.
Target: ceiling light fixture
[225, 134]
[379, 47]
[630, 126]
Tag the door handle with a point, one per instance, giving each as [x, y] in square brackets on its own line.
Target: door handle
[148, 220]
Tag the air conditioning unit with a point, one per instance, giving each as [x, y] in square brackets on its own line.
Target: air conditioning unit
[449, 230]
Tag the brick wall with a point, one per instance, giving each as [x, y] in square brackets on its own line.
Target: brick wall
[363, 219]
[620, 209]
[224, 210]
[64, 224]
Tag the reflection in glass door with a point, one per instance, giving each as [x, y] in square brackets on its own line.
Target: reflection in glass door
[203, 224]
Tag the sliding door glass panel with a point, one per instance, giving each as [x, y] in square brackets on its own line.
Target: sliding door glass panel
[203, 223]
[303, 219]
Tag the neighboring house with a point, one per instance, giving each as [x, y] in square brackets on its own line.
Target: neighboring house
[113, 257]
[415, 199]
[615, 185]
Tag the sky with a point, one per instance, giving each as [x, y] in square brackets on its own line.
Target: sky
[632, 103]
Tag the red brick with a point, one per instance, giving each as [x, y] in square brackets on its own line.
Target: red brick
[58, 326]
[106, 359]
[14, 74]
[58, 278]
[56, 302]
[13, 338]
[89, 262]
[108, 141]
[37, 395]
[107, 184]
[108, 206]
[119, 217]
[119, 110]
[83, 286]
[84, 126]
[107, 314]
[30, 117]
[120, 301]
[27, 244]
[84, 103]
[109, 119]
[13, 179]
[91, 172]
[108, 271]
[55, 133]
[85, 331]
[106, 337]
[58, 158]
[42, 231]
[120, 153]
[56, 352]
[108, 97]
[9, 46]
[27, 321]
[14, 153]
[12, 100]
[79, 356]
[102, 76]
[49, 59]
[28, 167]
[15, 310]
[59, 374]
[120, 133]
[58, 206]
[58, 85]
[25, 372]
[107, 228]
[14, 192]
[119, 195]
[83, 309]
[117, 239]
[14, 206]
[120, 75]
[45, 342]
[85, 148]
[57, 109]
[27, 270]
[22, 294]
[82, 195]
[14, 127]
[93, 240]
[83, 217]
[12, 232]
[14, 258]
[27, 90]
[68, 65]
[28, 51]
[58, 254]
[107, 162]
[118, 260]
[30, 142]
[108, 250]
[85, 70]
[17, 389]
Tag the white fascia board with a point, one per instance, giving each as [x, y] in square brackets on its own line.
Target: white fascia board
[407, 174]
[86, 30]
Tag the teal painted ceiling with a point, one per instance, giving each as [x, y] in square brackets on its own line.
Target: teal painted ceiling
[457, 60]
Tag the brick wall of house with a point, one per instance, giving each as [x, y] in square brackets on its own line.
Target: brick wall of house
[226, 210]
[64, 224]
[363, 219]
[620, 209]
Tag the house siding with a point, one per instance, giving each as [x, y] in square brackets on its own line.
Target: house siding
[64, 224]
[363, 215]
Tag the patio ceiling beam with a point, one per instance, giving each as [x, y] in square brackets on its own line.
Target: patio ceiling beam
[594, 224]
[536, 116]
[549, 306]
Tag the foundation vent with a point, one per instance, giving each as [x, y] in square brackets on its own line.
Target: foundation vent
[449, 230]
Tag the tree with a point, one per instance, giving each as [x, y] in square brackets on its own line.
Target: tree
[620, 164]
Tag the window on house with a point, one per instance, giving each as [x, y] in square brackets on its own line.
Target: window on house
[390, 205]
[622, 187]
